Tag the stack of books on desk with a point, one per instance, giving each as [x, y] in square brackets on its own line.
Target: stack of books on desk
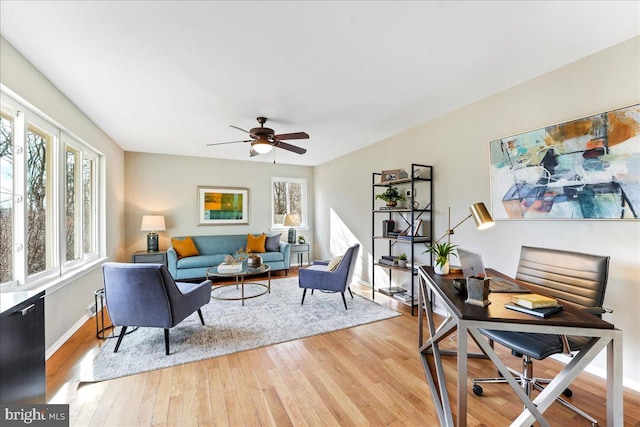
[535, 304]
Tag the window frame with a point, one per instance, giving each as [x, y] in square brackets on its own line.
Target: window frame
[25, 117]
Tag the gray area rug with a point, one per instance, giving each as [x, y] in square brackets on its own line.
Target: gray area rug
[269, 319]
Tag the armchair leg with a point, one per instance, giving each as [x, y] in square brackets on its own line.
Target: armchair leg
[350, 293]
[200, 314]
[166, 341]
[304, 292]
[344, 300]
[122, 333]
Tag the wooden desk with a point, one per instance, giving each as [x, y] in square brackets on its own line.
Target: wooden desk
[468, 319]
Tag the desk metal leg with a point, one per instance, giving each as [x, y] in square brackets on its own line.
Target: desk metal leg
[462, 375]
[615, 413]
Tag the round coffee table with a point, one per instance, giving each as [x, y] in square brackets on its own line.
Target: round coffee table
[239, 281]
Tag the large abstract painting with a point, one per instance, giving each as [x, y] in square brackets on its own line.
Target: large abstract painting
[583, 169]
[223, 206]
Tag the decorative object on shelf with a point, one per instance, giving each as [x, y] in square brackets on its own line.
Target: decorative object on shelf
[388, 226]
[292, 220]
[478, 291]
[480, 215]
[415, 205]
[442, 252]
[391, 196]
[390, 175]
[254, 261]
[416, 173]
[402, 260]
[565, 171]
[301, 239]
[153, 224]
[223, 206]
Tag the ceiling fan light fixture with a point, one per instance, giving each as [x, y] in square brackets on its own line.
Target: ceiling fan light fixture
[262, 146]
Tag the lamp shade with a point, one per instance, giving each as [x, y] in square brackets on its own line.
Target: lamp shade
[152, 223]
[481, 216]
[292, 220]
[262, 146]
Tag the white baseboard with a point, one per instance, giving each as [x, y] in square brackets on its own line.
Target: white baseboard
[56, 346]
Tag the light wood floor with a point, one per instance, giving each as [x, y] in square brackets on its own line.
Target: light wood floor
[367, 375]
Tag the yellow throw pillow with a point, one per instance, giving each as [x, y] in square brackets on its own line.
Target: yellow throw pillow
[334, 263]
[184, 247]
[255, 244]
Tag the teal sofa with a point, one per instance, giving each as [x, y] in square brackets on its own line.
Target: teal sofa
[213, 249]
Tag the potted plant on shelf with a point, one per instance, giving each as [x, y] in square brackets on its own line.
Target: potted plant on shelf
[402, 260]
[442, 252]
[391, 196]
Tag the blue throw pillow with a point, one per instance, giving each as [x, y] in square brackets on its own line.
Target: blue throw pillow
[272, 244]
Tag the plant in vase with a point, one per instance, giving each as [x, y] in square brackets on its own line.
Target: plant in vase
[402, 260]
[442, 252]
[391, 196]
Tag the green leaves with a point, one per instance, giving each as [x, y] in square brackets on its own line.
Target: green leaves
[442, 251]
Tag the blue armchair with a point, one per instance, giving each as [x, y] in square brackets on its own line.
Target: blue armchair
[146, 295]
[319, 277]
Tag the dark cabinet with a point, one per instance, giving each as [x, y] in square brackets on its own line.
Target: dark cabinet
[22, 348]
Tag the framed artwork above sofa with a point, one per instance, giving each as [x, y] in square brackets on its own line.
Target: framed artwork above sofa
[223, 205]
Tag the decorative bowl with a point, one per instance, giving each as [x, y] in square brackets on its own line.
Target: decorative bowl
[254, 261]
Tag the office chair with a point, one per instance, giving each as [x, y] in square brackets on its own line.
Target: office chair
[572, 278]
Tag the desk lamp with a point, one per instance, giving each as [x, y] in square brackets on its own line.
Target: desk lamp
[480, 215]
[152, 223]
[292, 220]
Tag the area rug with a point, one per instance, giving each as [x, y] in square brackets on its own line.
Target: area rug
[230, 327]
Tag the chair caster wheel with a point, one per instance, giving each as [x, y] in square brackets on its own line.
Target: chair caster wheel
[477, 390]
[567, 392]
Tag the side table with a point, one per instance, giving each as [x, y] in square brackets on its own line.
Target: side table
[153, 257]
[300, 249]
[101, 328]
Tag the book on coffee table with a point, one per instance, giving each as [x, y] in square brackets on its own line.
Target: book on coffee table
[229, 268]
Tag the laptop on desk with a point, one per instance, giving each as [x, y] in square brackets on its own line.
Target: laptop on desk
[472, 265]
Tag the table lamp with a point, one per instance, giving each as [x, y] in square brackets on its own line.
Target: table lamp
[292, 220]
[152, 223]
[480, 215]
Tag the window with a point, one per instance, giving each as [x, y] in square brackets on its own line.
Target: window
[6, 197]
[289, 196]
[48, 199]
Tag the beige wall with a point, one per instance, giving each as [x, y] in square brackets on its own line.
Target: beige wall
[66, 306]
[457, 145]
[167, 185]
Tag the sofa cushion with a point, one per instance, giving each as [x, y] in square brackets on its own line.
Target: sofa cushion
[201, 261]
[184, 247]
[255, 244]
[272, 244]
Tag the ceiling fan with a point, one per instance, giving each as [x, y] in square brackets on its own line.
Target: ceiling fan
[263, 139]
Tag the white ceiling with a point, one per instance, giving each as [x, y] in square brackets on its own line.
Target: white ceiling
[170, 76]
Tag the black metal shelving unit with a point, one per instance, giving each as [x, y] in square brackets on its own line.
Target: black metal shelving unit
[419, 178]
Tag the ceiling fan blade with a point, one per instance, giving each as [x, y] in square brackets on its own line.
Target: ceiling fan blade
[290, 147]
[230, 142]
[295, 135]
[236, 127]
[252, 152]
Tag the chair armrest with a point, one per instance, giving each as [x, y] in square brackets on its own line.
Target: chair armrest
[172, 261]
